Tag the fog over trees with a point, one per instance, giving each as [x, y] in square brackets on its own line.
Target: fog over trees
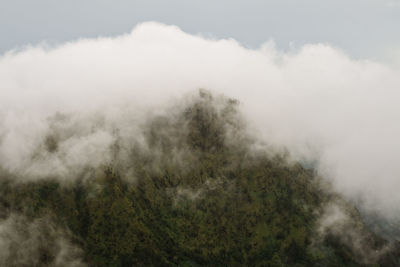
[160, 148]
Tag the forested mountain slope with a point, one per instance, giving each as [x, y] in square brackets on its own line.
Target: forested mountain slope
[196, 190]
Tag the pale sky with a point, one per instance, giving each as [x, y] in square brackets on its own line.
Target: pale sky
[362, 28]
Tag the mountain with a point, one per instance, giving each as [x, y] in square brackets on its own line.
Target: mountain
[196, 190]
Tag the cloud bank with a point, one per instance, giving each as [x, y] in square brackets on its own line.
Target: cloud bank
[341, 115]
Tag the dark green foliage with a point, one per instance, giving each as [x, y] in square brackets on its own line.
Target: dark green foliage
[200, 196]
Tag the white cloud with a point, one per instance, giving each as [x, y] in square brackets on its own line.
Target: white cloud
[316, 101]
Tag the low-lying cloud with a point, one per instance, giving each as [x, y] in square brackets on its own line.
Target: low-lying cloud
[62, 108]
[35, 243]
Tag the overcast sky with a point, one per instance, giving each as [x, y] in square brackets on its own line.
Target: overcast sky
[363, 28]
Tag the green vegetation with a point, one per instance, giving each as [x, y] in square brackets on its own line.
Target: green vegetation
[197, 192]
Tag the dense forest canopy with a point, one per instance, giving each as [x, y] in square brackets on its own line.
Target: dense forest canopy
[190, 188]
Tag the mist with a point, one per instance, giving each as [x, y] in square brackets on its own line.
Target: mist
[30, 243]
[326, 109]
